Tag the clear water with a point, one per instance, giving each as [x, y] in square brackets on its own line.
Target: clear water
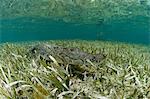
[28, 23]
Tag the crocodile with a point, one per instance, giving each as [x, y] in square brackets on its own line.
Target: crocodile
[78, 59]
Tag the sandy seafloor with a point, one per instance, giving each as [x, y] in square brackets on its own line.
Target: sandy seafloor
[124, 73]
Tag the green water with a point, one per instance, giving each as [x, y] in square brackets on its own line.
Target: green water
[30, 20]
[30, 29]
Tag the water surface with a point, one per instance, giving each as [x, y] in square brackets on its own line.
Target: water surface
[135, 30]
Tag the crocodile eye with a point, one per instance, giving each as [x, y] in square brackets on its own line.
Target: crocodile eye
[93, 58]
[56, 47]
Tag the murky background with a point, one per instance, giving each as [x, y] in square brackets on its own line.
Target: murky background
[108, 20]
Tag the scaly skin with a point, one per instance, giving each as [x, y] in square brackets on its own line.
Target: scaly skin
[66, 56]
